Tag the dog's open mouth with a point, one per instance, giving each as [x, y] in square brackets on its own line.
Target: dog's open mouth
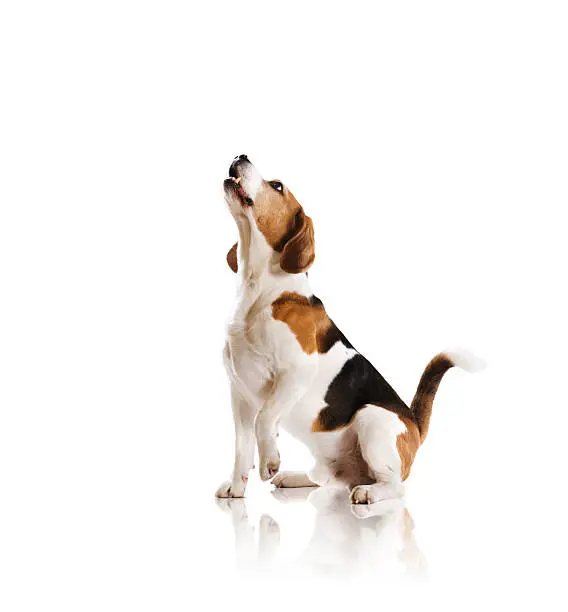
[240, 190]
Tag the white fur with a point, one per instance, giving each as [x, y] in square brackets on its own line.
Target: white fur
[465, 359]
[377, 431]
[251, 180]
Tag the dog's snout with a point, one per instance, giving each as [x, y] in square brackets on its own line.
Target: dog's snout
[237, 163]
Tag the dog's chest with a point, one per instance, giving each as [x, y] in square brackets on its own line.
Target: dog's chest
[250, 346]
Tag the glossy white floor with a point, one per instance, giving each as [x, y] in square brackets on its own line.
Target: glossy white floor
[113, 509]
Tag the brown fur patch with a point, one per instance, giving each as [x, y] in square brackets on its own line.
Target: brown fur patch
[287, 229]
[427, 387]
[324, 326]
[296, 311]
[299, 251]
[275, 213]
[232, 258]
[319, 423]
[407, 445]
[307, 319]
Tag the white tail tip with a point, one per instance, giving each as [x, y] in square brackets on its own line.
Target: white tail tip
[465, 359]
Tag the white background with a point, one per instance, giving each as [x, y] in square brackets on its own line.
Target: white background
[428, 142]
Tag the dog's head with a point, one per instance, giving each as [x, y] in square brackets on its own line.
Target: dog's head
[275, 213]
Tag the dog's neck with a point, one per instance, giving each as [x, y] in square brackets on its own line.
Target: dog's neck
[253, 252]
[259, 265]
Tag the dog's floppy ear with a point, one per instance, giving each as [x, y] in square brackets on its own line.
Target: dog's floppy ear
[232, 258]
[299, 252]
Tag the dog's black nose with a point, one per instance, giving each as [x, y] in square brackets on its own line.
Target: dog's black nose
[237, 162]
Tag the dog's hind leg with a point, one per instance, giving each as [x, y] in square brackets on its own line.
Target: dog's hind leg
[377, 430]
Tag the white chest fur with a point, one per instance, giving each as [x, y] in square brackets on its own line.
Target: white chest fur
[259, 347]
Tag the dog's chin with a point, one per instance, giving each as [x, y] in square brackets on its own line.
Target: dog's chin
[236, 197]
[236, 208]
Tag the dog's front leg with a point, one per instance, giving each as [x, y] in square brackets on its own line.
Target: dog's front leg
[289, 387]
[243, 415]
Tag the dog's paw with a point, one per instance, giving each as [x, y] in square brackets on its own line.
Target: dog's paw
[364, 494]
[381, 508]
[283, 480]
[226, 490]
[269, 466]
[292, 480]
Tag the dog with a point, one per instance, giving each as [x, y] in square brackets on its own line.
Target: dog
[289, 365]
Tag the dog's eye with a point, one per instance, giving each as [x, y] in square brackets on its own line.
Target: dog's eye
[276, 185]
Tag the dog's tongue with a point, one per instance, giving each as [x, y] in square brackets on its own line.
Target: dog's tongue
[242, 193]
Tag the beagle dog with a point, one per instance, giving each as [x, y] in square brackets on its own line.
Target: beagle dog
[289, 365]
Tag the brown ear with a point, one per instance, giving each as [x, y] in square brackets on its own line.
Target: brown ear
[232, 258]
[300, 251]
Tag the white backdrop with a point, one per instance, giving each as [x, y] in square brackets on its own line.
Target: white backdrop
[428, 142]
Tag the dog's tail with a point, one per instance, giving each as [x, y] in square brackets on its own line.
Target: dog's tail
[422, 403]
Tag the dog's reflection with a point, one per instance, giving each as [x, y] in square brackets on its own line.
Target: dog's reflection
[346, 538]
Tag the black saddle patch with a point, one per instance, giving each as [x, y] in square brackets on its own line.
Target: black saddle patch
[357, 384]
